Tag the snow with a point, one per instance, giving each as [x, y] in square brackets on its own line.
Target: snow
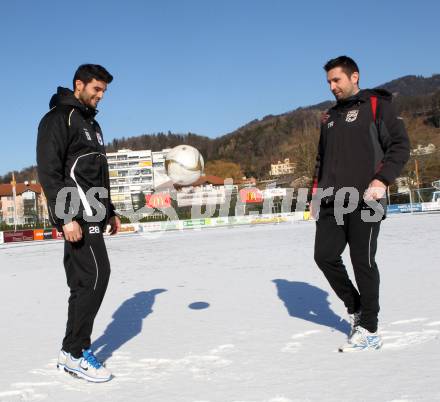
[226, 315]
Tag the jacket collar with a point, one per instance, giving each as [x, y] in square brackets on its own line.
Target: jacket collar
[65, 96]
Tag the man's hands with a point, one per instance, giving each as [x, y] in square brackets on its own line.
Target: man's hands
[72, 231]
[115, 225]
[375, 191]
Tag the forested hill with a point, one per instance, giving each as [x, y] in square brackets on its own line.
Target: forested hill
[293, 134]
[290, 135]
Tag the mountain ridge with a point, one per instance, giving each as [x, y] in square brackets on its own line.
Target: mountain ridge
[293, 134]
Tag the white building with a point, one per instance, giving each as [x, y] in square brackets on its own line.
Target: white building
[159, 172]
[207, 190]
[132, 175]
[402, 184]
[421, 150]
[281, 168]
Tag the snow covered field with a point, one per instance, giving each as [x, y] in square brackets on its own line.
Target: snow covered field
[226, 315]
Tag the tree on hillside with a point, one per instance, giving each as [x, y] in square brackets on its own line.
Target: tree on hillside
[224, 169]
[26, 174]
[304, 148]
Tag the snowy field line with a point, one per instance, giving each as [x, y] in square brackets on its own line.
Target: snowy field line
[226, 315]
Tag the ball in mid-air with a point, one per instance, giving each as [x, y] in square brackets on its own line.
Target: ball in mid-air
[184, 165]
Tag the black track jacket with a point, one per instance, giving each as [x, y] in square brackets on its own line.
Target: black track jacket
[71, 153]
[354, 149]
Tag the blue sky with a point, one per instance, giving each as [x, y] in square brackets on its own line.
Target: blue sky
[198, 65]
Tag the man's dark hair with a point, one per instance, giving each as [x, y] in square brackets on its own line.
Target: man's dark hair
[347, 64]
[88, 72]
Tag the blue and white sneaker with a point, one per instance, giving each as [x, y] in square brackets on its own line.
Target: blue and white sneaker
[87, 367]
[362, 339]
[61, 363]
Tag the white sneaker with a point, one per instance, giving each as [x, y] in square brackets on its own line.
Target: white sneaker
[87, 367]
[61, 363]
[362, 339]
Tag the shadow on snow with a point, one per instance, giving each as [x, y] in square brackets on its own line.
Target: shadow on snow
[310, 303]
[126, 324]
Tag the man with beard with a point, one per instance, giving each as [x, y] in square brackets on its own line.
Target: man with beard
[363, 148]
[72, 168]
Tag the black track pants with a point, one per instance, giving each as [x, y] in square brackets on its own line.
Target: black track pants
[330, 242]
[87, 270]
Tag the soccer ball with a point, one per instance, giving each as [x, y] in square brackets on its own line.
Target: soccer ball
[184, 164]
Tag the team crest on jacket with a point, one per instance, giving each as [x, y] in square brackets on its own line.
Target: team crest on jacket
[352, 116]
[87, 134]
[98, 136]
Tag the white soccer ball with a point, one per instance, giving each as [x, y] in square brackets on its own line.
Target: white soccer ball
[184, 164]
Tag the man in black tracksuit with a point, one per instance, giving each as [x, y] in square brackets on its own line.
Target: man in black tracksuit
[73, 171]
[363, 147]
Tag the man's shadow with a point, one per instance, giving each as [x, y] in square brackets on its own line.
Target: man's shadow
[309, 303]
[126, 324]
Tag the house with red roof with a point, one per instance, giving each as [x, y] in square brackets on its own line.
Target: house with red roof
[27, 207]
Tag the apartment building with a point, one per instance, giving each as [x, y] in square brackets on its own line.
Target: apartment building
[134, 174]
